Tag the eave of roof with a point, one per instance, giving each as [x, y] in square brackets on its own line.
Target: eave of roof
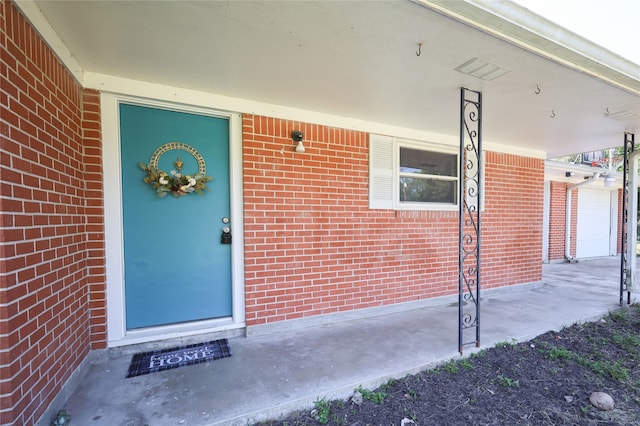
[518, 25]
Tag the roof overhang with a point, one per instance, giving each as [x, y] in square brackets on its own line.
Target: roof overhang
[384, 66]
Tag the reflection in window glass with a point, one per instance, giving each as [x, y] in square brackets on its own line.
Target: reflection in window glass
[428, 176]
[428, 162]
[419, 190]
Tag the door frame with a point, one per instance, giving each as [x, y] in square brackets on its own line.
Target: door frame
[117, 334]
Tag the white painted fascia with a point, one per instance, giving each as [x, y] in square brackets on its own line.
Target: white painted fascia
[555, 170]
[519, 26]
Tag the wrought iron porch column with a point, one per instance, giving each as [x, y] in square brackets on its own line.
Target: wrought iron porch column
[628, 250]
[470, 204]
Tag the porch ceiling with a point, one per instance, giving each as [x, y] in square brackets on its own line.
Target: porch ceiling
[358, 60]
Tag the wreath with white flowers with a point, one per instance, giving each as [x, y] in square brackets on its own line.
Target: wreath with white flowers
[175, 182]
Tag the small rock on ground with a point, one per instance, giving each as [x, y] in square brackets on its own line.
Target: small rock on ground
[357, 398]
[601, 401]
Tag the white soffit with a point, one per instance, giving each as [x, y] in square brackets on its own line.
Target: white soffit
[520, 26]
[355, 65]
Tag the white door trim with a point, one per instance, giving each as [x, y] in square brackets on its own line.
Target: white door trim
[117, 335]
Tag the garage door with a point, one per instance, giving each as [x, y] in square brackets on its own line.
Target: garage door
[593, 234]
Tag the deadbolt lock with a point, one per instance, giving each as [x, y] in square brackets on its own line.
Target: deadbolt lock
[225, 238]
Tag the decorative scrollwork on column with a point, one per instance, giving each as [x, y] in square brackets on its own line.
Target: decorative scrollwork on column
[629, 146]
[470, 203]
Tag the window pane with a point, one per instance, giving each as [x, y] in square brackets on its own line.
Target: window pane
[428, 162]
[427, 190]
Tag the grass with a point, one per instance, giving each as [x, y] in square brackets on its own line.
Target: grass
[451, 366]
[375, 397]
[627, 341]
[506, 344]
[507, 382]
[322, 410]
[560, 353]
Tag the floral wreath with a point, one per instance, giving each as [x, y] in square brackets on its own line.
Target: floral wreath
[175, 182]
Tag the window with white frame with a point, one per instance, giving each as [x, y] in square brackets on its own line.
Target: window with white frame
[405, 174]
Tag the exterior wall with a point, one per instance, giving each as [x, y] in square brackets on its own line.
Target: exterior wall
[94, 219]
[50, 222]
[557, 212]
[312, 245]
[557, 220]
[512, 220]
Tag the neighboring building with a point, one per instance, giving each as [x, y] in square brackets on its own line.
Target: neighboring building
[92, 258]
[594, 204]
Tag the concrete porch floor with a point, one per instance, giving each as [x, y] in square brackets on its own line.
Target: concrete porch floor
[270, 375]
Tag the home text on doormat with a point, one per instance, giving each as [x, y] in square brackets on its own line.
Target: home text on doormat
[166, 359]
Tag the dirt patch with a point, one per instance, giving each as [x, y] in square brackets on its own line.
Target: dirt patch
[546, 381]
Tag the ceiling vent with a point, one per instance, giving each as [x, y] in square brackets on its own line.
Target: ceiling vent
[482, 70]
[620, 115]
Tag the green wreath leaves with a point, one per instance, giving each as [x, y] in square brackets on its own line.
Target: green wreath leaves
[174, 183]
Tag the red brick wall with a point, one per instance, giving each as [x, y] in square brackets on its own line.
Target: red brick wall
[557, 218]
[312, 245]
[575, 196]
[94, 216]
[512, 220]
[50, 254]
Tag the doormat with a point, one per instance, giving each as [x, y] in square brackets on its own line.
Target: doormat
[166, 359]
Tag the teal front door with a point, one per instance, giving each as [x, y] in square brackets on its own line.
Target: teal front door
[177, 268]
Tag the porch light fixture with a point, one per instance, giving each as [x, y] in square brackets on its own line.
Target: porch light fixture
[482, 70]
[297, 136]
[609, 181]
